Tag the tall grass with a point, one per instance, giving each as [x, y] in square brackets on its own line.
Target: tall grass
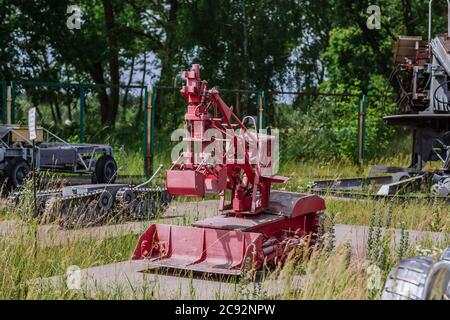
[301, 173]
[414, 215]
[23, 258]
[325, 274]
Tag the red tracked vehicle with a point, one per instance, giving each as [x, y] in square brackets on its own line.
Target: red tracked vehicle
[255, 225]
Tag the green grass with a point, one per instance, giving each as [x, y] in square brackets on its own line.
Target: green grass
[324, 275]
[303, 172]
[415, 214]
[422, 216]
[23, 261]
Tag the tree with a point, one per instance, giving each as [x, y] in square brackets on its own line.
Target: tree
[241, 44]
[87, 52]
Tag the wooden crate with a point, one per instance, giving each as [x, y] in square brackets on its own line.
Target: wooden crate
[20, 134]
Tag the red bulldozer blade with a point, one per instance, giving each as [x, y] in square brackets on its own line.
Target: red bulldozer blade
[200, 249]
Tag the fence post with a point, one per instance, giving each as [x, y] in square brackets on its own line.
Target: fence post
[261, 104]
[4, 94]
[82, 107]
[8, 104]
[146, 165]
[13, 102]
[263, 94]
[361, 127]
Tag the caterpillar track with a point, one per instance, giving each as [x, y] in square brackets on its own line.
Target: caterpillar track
[95, 204]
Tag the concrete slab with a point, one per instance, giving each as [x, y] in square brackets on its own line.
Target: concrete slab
[179, 213]
[139, 279]
[357, 237]
[132, 280]
[186, 213]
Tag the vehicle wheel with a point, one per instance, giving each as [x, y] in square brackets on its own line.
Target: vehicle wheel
[407, 280]
[16, 170]
[105, 200]
[125, 196]
[437, 286]
[166, 197]
[106, 169]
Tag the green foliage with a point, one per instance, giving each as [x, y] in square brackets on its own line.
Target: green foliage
[321, 45]
[404, 242]
[329, 126]
[348, 57]
[331, 234]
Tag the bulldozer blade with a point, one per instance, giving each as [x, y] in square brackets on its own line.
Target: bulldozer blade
[200, 249]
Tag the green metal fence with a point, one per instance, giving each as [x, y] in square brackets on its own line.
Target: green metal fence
[8, 91]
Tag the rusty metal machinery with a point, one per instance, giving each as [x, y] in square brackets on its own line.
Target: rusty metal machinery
[58, 156]
[255, 226]
[96, 204]
[422, 80]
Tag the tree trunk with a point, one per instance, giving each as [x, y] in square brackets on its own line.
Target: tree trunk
[166, 60]
[141, 107]
[111, 112]
[238, 105]
[57, 109]
[55, 120]
[166, 56]
[130, 81]
[97, 74]
[246, 60]
[40, 115]
[69, 109]
[407, 19]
